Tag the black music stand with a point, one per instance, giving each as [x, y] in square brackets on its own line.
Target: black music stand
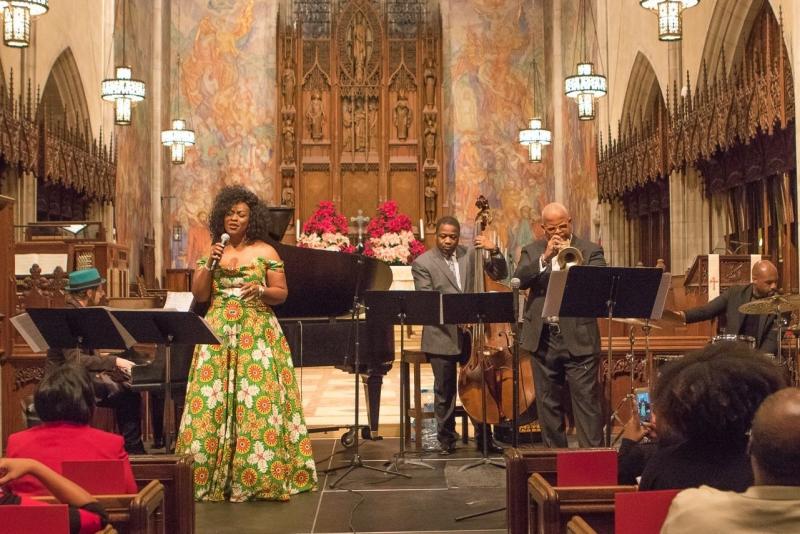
[404, 308]
[165, 327]
[479, 309]
[356, 461]
[611, 292]
[67, 328]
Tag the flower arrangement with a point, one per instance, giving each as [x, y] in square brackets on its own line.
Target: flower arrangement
[390, 237]
[326, 230]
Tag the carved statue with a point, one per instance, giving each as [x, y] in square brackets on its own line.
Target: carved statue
[402, 117]
[360, 122]
[315, 116]
[431, 192]
[359, 45]
[430, 84]
[35, 280]
[430, 139]
[288, 139]
[288, 85]
[372, 116]
[287, 195]
[347, 125]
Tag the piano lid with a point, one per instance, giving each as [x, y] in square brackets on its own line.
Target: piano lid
[322, 283]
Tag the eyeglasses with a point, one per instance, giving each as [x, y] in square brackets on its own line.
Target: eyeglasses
[553, 229]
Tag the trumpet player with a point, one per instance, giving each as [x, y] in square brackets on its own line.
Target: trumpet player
[565, 350]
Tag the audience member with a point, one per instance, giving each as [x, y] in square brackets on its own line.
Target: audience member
[706, 402]
[64, 400]
[86, 515]
[772, 504]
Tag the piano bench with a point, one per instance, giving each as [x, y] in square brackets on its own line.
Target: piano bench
[412, 360]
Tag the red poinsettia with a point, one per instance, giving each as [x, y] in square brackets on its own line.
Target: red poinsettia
[326, 229]
[390, 236]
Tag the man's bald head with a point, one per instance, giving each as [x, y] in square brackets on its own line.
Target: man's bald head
[556, 221]
[765, 278]
[775, 440]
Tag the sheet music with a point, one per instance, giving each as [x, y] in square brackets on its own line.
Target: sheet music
[179, 300]
[661, 296]
[555, 294]
[27, 329]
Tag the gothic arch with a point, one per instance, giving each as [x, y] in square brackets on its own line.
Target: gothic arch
[63, 98]
[730, 27]
[643, 96]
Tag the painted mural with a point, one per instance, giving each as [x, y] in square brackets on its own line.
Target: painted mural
[228, 92]
[133, 216]
[487, 62]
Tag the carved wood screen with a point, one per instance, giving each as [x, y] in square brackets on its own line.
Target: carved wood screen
[359, 103]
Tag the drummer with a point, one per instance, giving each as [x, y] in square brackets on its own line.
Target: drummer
[726, 306]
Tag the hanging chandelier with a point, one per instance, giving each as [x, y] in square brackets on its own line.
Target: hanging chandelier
[178, 138]
[123, 90]
[585, 85]
[670, 14]
[535, 137]
[17, 20]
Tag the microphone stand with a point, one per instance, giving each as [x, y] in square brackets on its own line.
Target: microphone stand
[356, 461]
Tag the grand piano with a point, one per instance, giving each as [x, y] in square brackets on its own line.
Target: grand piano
[316, 319]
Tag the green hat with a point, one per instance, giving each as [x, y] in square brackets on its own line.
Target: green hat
[84, 279]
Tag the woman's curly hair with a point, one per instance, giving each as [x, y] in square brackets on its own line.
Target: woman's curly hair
[257, 227]
[711, 395]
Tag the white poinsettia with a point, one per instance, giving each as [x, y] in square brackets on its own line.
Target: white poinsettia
[213, 393]
[260, 456]
[247, 392]
[197, 452]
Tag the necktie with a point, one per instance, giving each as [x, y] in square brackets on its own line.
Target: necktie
[451, 262]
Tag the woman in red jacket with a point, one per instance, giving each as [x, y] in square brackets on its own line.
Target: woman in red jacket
[64, 401]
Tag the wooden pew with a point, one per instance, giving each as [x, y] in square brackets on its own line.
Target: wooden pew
[550, 507]
[175, 473]
[520, 465]
[141, 513]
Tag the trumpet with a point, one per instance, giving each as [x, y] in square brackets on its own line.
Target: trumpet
[569, 256]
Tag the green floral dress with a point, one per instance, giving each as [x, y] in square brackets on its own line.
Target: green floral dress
[243, 418]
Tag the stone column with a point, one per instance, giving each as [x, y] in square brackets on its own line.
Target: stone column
[557, 91]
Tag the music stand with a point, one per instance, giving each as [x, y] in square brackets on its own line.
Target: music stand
[404, 308]
[594, 291]
[356, 461]
[479, 309]
[68, 328]
[165, 327]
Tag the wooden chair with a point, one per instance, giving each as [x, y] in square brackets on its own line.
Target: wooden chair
[175, 473]
[550, 507]
[140, 513]
[520, 465]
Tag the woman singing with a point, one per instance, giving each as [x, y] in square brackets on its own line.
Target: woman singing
[243, 419]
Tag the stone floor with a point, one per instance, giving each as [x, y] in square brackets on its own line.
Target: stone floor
[375, 502]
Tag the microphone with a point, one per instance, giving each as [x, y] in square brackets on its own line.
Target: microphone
[223, 239]
[515, 283]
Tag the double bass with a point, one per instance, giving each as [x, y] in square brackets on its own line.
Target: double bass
[491, 355]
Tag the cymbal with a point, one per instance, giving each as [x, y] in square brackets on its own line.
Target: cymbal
[771, 305]
[636, 322]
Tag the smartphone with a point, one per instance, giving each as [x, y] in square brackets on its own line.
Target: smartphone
[643, 404]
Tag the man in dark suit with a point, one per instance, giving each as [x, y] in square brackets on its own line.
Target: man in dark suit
[564, 349]
[726, 306]
[450, 268]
